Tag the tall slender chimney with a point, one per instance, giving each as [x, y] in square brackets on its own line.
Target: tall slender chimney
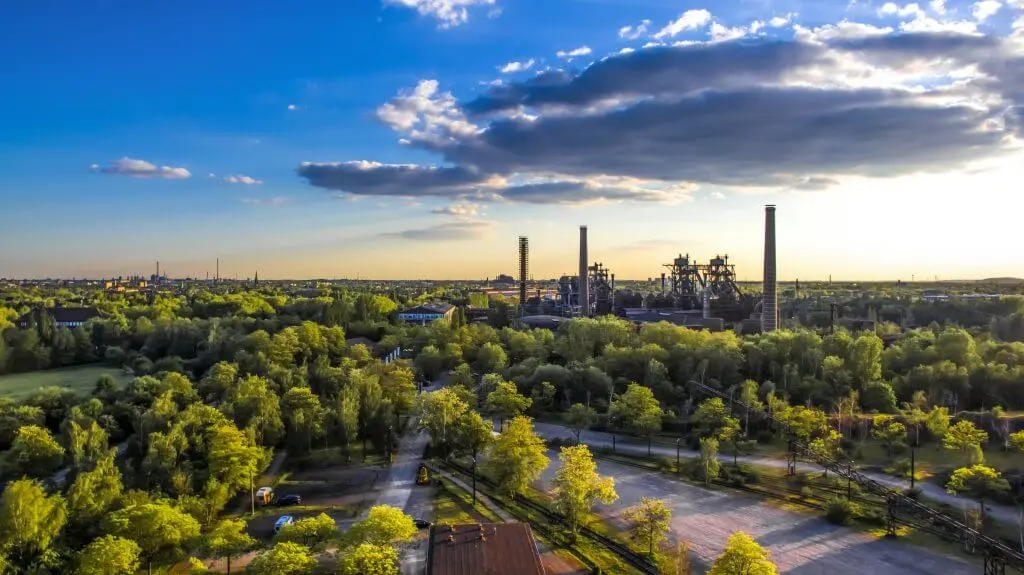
[770, 307]
[584, 279]
[158, 269]
[662, 282]
[524, 266]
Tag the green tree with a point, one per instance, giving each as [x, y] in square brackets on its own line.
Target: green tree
[303, 416]
[712, 419]
[878, 397]
[490, 358]
[384, 525]
[649, 521]
[1017, 441]
[228, 539]
[743, 556]
[369, 559]
[30, 522]
[966, 439]
[95, 492]
[748, 395]
[889, 431]
[86, 442]
[516, 458]
[253, 404]
[234, 459]
[284, 558]
[580, 418]
[34, 452]
[430, 362]
[311, 531]
[937, 422]
[439, 413]
[637, 410]
[866, 360]
[348, 418]
[709, 459]
[473, 433]
[160, 530]
[109, 555]
[506, 401]
[978, 482]
[578, 487]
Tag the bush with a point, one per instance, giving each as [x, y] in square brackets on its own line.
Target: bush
[841, 511]
[873, 517]
[914, 493]
[806, 492]
[847, 445]
[801, 479]
[901, 468]
[765, 436]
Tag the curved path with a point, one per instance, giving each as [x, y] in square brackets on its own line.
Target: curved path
[1002, 513]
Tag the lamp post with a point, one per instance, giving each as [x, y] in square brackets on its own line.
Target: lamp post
[474, 477]
[678, 440]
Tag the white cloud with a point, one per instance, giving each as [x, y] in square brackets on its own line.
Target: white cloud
[513, 67]
[634, 32]
[985, 9]
[718, 195]
[211, 175]
[142, 169]
[448, 13]
[459, 210]
[240, 179]
[265, 201]
[720, 33]
[426, 114]
[780, 21]
[292, 107]
[891, 9]
[844, 30]
[575, 52]
[689, 20]
[938, 6]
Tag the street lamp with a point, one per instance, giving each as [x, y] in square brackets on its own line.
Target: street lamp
[678, 440]
[474, 478]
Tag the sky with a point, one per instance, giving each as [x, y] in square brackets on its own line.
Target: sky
[408, 139]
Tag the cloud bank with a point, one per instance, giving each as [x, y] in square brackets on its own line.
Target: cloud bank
[839, 101]
[448, 13]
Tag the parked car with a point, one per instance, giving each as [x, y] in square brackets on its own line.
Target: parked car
[286, 500]
[282, 521]
[422, 523]
[265, 495]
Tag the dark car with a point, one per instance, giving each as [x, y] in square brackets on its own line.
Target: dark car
[422, 523]
[286, 500]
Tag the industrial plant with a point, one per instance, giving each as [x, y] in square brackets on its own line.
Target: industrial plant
[692, 293]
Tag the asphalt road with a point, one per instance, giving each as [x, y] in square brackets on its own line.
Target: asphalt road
[799, 544]
[631, 445]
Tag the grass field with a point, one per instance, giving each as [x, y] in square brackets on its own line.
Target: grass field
[81, 380]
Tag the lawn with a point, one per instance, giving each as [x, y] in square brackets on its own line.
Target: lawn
[18, 386]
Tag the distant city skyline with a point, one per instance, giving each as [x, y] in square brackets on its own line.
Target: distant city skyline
[418, 139]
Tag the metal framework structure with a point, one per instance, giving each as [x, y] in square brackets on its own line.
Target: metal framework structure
[900, 508]
[602, 289]
[720, 281]
[687, 282]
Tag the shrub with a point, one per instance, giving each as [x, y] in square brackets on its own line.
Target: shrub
[873, 517]
[900, 468]
[914, 493]
[806, 492]
[841, 511]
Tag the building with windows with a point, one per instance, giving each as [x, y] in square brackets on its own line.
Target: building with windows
[428, 313]
[69, 317]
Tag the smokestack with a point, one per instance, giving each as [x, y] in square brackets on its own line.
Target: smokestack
[584, 279]
[770, 306]
[158, 270]
[217, 276]
[524, 264]
[662, 282]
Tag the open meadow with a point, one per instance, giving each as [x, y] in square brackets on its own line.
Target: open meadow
[18, 386]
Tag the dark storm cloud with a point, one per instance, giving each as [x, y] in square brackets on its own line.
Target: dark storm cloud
[373, 179]
[653, 72]
[453, 231]
[895, 49]
[748, 137]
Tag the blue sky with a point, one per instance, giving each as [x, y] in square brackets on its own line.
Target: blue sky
[138, 131]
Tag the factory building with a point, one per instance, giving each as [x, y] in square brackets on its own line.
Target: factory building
[428, 313]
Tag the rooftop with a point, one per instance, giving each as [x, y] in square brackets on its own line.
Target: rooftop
[483, 549]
